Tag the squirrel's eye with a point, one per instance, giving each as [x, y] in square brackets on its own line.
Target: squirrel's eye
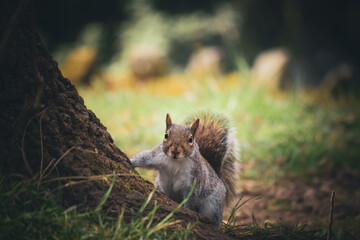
[166, 136]
[190, 139]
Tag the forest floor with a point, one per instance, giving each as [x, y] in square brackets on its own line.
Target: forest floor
[293, 201]
[295, 150]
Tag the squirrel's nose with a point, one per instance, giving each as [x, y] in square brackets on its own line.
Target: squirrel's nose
[176, 152]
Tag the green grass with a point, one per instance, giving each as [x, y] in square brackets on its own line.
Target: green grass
[278, 134]
[30, 212]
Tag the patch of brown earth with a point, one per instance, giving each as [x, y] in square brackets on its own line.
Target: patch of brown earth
[293, 201]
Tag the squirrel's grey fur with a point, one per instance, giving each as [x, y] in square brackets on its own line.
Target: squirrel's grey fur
[206, 151]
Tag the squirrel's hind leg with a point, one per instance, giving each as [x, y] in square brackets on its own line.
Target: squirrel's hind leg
[213, 208]
[214, 211]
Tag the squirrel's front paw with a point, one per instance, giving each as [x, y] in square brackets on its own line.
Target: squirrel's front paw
[134, 161]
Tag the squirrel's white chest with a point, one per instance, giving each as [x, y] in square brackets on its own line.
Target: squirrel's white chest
[175, 176]
[181, 181]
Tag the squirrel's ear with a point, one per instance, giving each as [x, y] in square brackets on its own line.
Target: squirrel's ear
[194, 126]
[168, 121]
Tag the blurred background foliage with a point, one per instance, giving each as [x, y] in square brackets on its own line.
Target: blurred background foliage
[287, 71]
[319, 36]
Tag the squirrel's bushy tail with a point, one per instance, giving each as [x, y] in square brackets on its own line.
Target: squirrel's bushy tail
[218, 145]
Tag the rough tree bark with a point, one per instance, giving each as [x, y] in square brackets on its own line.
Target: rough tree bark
[44, 122]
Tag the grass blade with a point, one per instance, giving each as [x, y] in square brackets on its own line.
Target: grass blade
[106, 196]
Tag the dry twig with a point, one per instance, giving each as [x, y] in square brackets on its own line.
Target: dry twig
[329, 234]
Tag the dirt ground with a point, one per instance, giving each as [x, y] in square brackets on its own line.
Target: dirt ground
[293, 201]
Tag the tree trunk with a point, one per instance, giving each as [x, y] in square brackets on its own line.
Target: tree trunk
[46, 130]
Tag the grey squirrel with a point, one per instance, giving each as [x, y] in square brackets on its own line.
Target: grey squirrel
[204, 148]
